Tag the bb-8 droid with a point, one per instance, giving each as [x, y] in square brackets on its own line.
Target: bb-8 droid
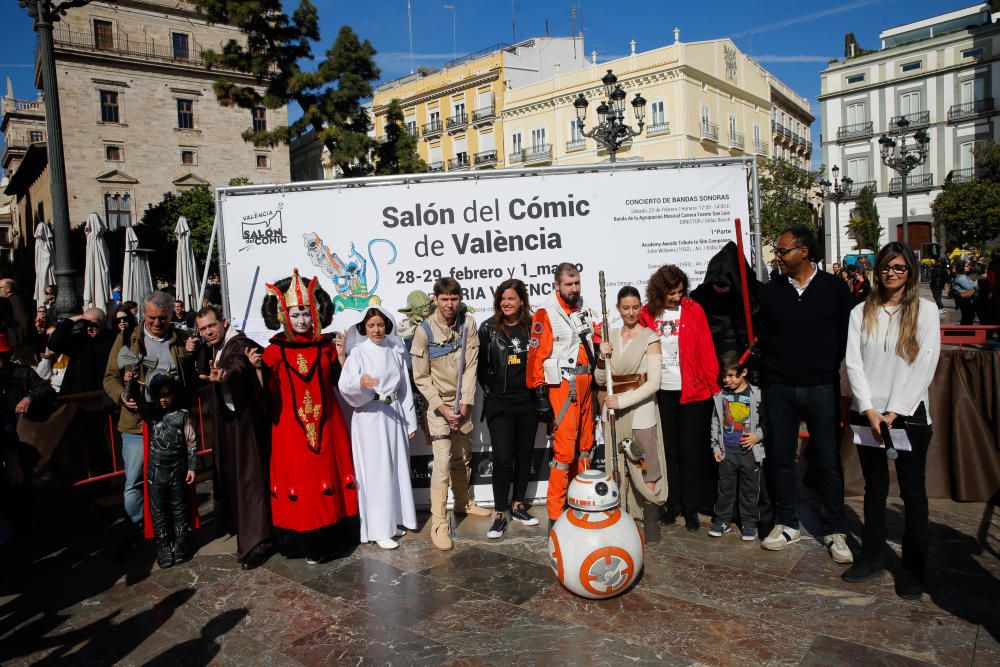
[595, 548]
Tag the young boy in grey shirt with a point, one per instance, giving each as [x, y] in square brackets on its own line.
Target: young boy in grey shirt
[736, 444]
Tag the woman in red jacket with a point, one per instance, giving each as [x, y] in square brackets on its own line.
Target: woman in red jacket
[688, 380]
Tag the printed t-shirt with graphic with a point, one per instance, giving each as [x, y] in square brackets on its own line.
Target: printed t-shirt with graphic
[736, 419]
[517, 398]
[667, 326]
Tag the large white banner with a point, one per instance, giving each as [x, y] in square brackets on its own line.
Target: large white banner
[381, 242]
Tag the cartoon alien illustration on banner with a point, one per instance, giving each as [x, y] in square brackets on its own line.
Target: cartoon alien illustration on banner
[350, 278]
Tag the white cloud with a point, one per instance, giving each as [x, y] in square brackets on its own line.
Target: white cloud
[795, 20]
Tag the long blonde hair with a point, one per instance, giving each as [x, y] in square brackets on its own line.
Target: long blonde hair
[907, 346]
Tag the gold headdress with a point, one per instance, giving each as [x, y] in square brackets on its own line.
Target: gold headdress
[299, 294]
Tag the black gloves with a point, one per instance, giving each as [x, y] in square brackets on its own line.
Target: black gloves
[543, 407]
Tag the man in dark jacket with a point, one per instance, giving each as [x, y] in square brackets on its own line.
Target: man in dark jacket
[87, 341]
[803, 317]
[20, 325]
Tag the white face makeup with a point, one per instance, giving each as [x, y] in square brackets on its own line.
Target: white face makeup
[301, 319]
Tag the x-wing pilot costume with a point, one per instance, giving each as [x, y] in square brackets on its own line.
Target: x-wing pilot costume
[560, 362]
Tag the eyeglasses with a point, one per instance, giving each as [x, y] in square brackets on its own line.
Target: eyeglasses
[898, 269]
[781, 252]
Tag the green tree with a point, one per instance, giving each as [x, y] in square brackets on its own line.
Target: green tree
[397, 154]
[969, 213]
[330, 96]
[784, 191]
[159, 220]
[864, 226]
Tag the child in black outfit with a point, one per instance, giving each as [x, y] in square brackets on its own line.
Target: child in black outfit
[171, 464]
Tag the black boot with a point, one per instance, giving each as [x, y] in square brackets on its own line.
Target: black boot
[909, 585]
[182, 547]
[651, 523]
[164, 552]
[862, 570]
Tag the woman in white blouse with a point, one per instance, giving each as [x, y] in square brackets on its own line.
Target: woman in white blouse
[893, 344]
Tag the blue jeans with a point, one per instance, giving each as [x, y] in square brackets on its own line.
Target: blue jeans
[785, 407]
[132, 460]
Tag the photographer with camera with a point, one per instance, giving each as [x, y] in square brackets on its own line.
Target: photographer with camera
[153, 346]
[87, 341]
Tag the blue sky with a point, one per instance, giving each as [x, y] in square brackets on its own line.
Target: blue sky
[794, 39]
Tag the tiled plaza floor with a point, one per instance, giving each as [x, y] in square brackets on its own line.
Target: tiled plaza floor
[69, 600]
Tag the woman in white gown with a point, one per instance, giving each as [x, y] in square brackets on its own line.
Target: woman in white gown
[376, 384]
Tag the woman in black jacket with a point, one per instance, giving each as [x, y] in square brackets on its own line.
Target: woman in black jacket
[509, 410]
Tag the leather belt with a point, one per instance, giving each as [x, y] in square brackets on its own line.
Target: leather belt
[388, 399]
[623, 383]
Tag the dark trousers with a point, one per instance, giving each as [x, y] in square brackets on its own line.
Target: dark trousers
[911, 468]
[967, 307]
[168, 501]
[686, 449]
[785, 407]
[936, 293]
[739, 480]
[512, 436]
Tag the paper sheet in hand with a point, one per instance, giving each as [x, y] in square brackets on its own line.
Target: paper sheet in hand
[863, 436]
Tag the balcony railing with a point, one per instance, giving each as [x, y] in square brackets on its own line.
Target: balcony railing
[486, 158]
[855, 131]
[963, 175]
[460, 161]
[21, 140]
[658, 128]
[457, 121]
[854, 188]
[575, 145]
[760, 148]
[29, 105]
[483, 114]
[709, 131]
[539, 153]
[432, 128]
[913, 182]
[121, 45]
[736, 140]
[917, 119]
[970, 109]
[435, 166]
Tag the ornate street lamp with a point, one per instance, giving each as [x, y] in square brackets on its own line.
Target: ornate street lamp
[611, 131]
[836, 192]
[903, 159]
[45, 13]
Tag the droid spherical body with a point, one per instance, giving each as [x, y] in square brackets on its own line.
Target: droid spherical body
[595, 548]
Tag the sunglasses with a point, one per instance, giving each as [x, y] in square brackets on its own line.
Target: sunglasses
[781, 252]
[898, 269]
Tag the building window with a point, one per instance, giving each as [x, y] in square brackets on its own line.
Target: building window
[538, 138]
[104, 36]
[756, 138]
[910, 67]
[109, 107]
[118, 210]
[856, 114]
[185, 114]
[188, 157]
[113, 153]
[857, 78]
[515, 143]
[575, 130]
[259, 119]
[657, 115]
[973, 53]
[181, 44]
[35, 136]
[263, 162]
[857, 170]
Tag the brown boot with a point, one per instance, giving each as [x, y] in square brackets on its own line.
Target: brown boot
[439, 518]
[651, 523]
[463, 504]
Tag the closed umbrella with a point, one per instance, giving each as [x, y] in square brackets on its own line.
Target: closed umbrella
[186, 276]
[137, 282]
[96, 288]
[44, 270]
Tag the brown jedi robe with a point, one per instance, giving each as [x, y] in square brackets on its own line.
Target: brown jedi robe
[242, 446]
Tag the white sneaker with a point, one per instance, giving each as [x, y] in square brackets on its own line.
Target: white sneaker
[836, 544]
[399, 532]
[387, 543]
[781, 536]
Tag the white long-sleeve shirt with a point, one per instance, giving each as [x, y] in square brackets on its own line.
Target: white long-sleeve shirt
[879, 377]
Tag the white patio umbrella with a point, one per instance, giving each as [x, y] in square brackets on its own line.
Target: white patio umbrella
[186, 275]
[96, 287]
[137, 282]
[44, 260]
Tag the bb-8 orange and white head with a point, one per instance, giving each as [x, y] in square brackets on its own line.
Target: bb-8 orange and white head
[595, 548]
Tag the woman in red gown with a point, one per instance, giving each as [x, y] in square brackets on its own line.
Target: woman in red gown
[312, 474]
